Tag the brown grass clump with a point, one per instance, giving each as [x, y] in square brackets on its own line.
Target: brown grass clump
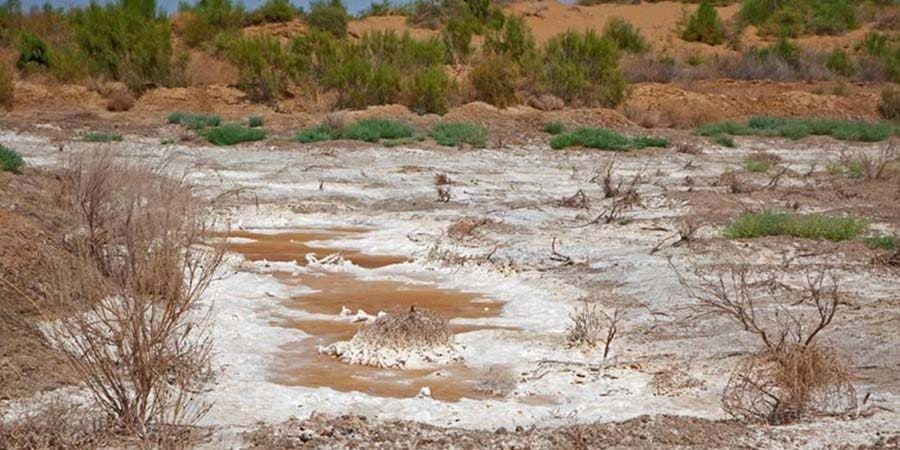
[593, 328]
[414, 330]
[120, 100]
[889, 104]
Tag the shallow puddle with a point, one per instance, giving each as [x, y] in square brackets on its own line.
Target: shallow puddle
[294, 246]
[300, 363]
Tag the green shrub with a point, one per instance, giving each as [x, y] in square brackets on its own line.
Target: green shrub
[889, 104]
[582, 68]
[273, 11]
[329, 16]
[10, 161]
[840, 63]
[206, 19]
[455, 134]
[626, 37]
[514, 40]
[495, 80]
[882, 241]
[874, 44]
[814, 226]
[604, 139]
[317, 133]
[194, 121]
[724, 140]
[126, 42]
[101, 137]
[554, 128]
[373, 130]
[458, 37]
[429, 91]
[704, 26]
[359, 83]
[795, 17]
[33, 51]
[255, 121]
[7, 86]
[264, 69]
[845, 130]
[231, 134]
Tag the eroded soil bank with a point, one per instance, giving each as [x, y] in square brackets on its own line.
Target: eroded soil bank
[509, 240]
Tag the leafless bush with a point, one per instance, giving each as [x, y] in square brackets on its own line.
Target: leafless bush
[143, 348]
[871, 167]
[416, 329]
[578, 200]
[792, 377]
[592, 327]
[442, 183]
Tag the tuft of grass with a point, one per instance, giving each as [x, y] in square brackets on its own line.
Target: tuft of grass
[882, 241]
[813, 226]
[373, 130]
[318, 133]
[604, 139]
[194, 121]
[10, 160]
[255, 121]
[231, 134]
[101, 137]
[554, 128]
[724, 140]
[454, 134]
[845, 130]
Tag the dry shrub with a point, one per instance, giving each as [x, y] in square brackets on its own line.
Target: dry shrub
[498, 382]
[592, 328]
[55, 425]
[414, 330]
[792, 377]
[464, 228]
[142, 348]
[889, 104]
[578, 200]
[120, 100]
[442, 185]
[779, 386]
[871, 167]
[673, 381]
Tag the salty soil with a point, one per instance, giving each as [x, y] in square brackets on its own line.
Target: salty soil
[506, 260]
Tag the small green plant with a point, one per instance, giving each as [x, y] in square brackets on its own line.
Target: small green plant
[604, 139]
[724, 140]
[231, 134]
[318, 133]
[194, 121]
[454, 134]
[813, 226]
[889, 104]
[329, 16]
[255, 121]
[101, 137]
[10, 161]
[554, 128]
[704, 26]
[626, 37]
[373, 130]
[840, 63]
[882, 241]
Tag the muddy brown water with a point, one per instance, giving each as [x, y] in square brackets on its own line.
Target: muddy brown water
[301, 364]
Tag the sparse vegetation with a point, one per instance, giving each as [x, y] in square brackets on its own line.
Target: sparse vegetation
[10, 160]
[704, 25]
[798, 17]
[883, 242]
[194, 121]
[845, 130]
[759, 162]
[101, 137]
[455, 134]
[554, 128]
[318, 133]
[231, 134]
[604, 139]
[592, 328]
[724, 141]
[813, 226]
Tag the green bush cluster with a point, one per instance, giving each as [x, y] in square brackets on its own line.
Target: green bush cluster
[554, 128]
[194, 121]
[206, 19]
[101, 137]
[455, 134]
[318, 133]
[839, 62]
[882, 51]
[255, 121]
[264, 70]
[329, 16]
[230, 134]
[272, 11]
[626, 37]
[799, 17]
[494, 80]
[704, 26]
[582, 69]
[374, 130]
[883, 242]
[814, 226]
[604, 139]
[845, 130]
[10, 160]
